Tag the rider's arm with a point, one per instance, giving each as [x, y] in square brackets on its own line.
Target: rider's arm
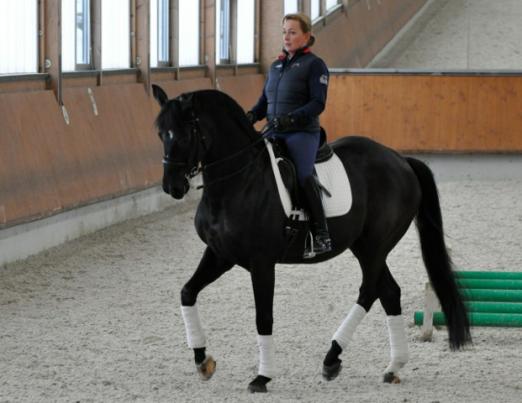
[259, 109]
[318, 88]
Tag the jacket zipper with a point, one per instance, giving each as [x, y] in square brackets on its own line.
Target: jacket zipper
[283, 68]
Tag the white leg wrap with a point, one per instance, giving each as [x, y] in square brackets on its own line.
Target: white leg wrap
[195, 333]
[266, 356]
[398, 343]
[344, 334]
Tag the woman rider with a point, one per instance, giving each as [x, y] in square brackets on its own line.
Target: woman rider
[293, 97]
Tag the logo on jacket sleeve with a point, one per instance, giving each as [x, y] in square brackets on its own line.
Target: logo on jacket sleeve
[323, 79]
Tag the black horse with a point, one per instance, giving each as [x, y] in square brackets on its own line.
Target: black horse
[241, 220]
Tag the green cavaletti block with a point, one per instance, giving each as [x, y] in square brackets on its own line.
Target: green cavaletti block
[499, 275]
[493, 284]
[493, 307]
[491, 295]
[477, 319]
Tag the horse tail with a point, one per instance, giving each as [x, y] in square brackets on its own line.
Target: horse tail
[436, 258]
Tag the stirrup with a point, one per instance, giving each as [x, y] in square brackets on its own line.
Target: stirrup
[322, 245]
[318, 246]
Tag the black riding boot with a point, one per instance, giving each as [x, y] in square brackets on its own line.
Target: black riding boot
[321, 238]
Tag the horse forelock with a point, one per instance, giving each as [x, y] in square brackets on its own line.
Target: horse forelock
[168, 116]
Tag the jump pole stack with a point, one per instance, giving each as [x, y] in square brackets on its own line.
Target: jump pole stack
[491, 298]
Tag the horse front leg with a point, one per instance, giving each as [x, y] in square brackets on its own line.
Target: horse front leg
[263, 279]
[210, 268]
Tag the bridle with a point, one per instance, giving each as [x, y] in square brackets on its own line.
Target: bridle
[202, 145]
[196, 134]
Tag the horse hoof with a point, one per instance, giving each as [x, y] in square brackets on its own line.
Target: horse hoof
[258, 385]
[207, 368]
[330, 372]
[390, 377]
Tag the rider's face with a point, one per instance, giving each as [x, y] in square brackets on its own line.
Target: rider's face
[293, 36]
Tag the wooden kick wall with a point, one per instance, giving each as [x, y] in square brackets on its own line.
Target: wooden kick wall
[47, 166]
[428, 113]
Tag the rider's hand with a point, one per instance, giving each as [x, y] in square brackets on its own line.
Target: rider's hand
[284, 123]
[251, 117]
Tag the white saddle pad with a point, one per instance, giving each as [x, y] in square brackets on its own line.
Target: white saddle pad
[332, 176]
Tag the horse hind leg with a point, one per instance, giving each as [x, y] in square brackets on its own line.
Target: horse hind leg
[390, 297]
[340, 340]
[367, 296]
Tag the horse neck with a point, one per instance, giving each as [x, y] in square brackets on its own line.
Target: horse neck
[231, 158]
[226, 140]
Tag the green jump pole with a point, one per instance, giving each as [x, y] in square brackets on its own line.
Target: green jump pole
[493, 307]
[491, 295]
[492, 284]
[477, 319]
[499, 275]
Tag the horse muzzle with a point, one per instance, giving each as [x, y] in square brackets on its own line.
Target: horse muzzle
[177, 192]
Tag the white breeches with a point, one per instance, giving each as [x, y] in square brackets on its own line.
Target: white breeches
[398, 343]
[195, 334]
[344, 334]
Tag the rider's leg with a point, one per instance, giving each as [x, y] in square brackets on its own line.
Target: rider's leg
[302, 147]
[322, 241]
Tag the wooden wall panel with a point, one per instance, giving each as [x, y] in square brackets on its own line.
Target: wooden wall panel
[175, 88]
[28, 124]
[47, 166]
[428, 113]
[245, 89]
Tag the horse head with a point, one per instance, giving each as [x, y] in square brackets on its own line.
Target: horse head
[200, 130]
[183, 142]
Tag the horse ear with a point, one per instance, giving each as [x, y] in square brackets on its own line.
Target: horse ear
[159, 94]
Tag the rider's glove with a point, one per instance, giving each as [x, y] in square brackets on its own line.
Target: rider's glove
[251, 116]
[284, 123]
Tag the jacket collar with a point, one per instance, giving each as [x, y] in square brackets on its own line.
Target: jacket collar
[302, 51]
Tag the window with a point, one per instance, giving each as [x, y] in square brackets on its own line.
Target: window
[18, 36]
[245, 31]
[68, 35]
[159, 33]
[316, 9]
[291, 6]
[115, 34]
[163, 31]
[331, 3]
[76, 34]
[83, 32]
[188, 32]
[222, 31]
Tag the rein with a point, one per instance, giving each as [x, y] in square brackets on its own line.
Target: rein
[262, 133]
[238, 171]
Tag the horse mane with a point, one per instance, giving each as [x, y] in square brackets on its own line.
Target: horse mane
[213, 102]
[220, 104]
